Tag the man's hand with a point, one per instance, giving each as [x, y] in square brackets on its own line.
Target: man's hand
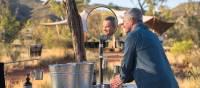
[116, 82]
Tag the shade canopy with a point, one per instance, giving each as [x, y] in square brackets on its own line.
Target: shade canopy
[157, 25]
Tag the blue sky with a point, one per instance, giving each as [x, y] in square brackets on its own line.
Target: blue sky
[128, 3]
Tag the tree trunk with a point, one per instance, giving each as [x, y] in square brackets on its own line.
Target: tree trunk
[141, 6]
[75, 25]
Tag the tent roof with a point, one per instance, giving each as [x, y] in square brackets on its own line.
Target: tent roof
[156, 24]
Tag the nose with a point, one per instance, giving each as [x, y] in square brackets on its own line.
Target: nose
[122, 26]
[104, 29]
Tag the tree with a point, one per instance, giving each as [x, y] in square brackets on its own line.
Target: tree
[9, 26]
[165, 13]
[187, 23]
[74, 21]
[58, 8]
[150, 4]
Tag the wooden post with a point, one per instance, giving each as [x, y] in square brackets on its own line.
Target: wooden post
[2, 79]
[75, 24]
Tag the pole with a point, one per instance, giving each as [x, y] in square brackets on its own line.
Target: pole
[101, 61]
[2, 79]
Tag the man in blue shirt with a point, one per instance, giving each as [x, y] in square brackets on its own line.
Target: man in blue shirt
[144, 57]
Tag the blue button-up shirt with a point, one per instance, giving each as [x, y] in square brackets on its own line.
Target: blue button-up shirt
[145, 60]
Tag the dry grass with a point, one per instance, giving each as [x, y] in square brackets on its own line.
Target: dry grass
[185, 66]
[49, 56]
[189, 83]
[18, 83]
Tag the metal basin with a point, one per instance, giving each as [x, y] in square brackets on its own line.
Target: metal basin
[63, 75]
[72, 75]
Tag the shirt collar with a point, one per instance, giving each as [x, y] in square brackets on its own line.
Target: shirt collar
[135, 27]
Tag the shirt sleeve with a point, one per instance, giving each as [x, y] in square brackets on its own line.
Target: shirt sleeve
[129, 61]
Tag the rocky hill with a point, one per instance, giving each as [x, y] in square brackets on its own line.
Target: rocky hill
[184, 8]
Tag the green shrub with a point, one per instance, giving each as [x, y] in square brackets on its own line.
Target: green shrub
[182, 47]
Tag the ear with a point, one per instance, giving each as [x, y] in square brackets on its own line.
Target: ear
[132, 21]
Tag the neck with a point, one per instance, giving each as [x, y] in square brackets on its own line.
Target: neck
[135, 25]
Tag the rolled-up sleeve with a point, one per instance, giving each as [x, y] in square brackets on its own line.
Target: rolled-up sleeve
[128, 63]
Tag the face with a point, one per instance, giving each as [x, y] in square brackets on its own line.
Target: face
[127, 24]
[108, 28]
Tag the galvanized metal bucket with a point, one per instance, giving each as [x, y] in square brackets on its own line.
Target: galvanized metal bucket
[37, 74]
[85, 74]
[63, 75]
[72, 75]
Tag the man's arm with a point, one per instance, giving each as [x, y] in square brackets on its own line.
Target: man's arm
[129, 61]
